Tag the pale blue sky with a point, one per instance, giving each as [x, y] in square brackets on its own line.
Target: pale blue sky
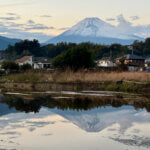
[57, 14]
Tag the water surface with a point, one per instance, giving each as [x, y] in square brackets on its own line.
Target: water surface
[58, 122]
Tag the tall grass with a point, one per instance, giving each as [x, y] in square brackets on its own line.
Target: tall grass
[24, 77]
[89, 76]
[79, 76]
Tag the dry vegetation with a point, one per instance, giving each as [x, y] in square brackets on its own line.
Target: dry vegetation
[80, 76]
[88, 76]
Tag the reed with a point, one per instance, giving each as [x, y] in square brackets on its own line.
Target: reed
[90, 76]
[79, 76]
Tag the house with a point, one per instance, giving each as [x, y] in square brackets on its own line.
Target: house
[147, 64]
[25, 60]
[43, 64]
[133, 62]
[106, 63]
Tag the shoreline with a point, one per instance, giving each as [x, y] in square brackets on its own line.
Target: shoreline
[118, 86]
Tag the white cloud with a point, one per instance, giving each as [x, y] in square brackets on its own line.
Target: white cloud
[14, 30]
[135, 18]
[122, 21]
[46, 16]
[110, 19]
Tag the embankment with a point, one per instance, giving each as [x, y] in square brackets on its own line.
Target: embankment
[120, 86]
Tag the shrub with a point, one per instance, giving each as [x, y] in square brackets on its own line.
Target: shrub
[26, 67]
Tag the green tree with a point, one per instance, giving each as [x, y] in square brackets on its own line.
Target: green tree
[10, 66]
[74, 58]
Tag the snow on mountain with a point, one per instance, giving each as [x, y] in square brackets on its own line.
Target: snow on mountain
[96, 27]
[97, 31]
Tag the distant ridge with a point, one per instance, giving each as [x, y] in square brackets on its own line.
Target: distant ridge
[4, 42]
[98, 40]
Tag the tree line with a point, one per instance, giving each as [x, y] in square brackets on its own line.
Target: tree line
[50, 51]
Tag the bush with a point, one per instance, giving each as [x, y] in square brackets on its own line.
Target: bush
[26, 67]
[74, 58]
[10, 66]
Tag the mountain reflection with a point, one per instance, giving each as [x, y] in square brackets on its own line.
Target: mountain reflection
[76, 103]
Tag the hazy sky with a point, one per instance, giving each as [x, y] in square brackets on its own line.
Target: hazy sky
[54, 16]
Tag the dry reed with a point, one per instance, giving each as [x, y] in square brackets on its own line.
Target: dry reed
[89, 76]
[79, 76]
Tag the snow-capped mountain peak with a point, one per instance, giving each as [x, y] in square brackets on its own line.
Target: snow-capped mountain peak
[98, 31]
[90, 27]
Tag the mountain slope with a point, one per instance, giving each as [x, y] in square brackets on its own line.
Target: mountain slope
[97, 31]
[99, 40]
[4, 42]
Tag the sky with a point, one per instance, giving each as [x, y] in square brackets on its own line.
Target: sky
[45, 18]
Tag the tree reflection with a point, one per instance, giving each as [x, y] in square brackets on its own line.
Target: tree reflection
[77, 103]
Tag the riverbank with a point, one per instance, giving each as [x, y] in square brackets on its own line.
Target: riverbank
[135, 82]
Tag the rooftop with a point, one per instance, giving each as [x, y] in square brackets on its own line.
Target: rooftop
[23, 59]
[43, 61]
[132, 56]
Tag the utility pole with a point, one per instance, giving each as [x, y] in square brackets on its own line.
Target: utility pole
[110, 54]
[131, 48]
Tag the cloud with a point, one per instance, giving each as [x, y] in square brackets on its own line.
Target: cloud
[9, 28]
[12, 14]
[126, 27]
[39, 27]
[110, 19]
[31, 22]
[135, 18]
[10, 18]
[33, 26]
[46, 16]
[14, 25]
[122, 21]
[65, 28]
[14, 30]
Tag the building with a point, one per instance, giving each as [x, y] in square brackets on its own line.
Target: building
[25, 60]
[147, 64]
[43, 64]
[133, 62]
[106, 63]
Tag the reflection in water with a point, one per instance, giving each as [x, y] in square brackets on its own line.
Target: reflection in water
[72, 124]
[76, 103]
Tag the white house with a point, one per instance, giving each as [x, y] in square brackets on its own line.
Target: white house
[25, 60]
[106, 63]
[43, 64]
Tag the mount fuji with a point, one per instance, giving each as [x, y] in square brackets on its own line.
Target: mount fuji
[97, 31]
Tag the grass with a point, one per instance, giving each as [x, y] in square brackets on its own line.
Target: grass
[79, 76]
[88, 76]
[24, 77]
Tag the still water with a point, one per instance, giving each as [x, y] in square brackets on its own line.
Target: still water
[74, 122]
